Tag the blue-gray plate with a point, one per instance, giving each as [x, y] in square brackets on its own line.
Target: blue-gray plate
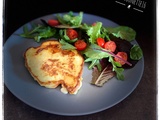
[90, 99]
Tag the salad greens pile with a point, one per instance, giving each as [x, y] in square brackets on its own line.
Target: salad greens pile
[93, 54]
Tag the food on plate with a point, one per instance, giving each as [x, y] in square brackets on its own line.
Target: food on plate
[101, 77]
[51, 66]
[108, 50]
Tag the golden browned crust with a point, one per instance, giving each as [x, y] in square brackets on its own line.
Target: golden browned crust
[51, 66]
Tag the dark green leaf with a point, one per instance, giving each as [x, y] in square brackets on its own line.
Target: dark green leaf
[66, 45]
[92, 53]
[136, 53]
[119, 73]
[117, 67]
[38, 32]
[70, 19]
[123, 32]
[94, 32]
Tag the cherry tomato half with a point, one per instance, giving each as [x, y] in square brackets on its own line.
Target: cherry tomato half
[71, 33]
[53, 22]
[100, 42]
[122, 55]
[80, 44]
[94, 24]
[110, 45]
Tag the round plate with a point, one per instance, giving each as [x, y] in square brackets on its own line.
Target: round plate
[90, 99]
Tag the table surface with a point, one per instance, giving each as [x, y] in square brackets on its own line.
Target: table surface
[141, 103]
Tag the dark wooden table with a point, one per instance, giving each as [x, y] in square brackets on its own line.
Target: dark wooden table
[141, 103]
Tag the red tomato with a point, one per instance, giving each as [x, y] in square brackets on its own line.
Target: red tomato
[110, 45]
[80, 44]
[122, 55]
[71, 33]
[53, 22]
[100, 42]
[94, 24]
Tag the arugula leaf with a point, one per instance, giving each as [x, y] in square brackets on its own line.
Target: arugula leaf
[104, 33]
[119, 73]
[25, 30]
[94, 62]
[29, 33]
[45, 33]
[92, 52]
[117, 67]
[70, 19]
[66, 45]
[85, 26]
[38, 32]
[94, 32]
[123, 32]
[95, 53]
[63, 35]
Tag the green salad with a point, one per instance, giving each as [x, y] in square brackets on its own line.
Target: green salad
[108, 50]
